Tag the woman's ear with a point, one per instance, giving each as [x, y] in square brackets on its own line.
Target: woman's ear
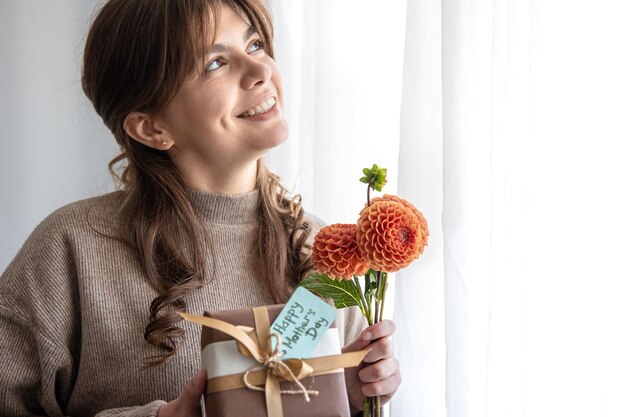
[140, 127]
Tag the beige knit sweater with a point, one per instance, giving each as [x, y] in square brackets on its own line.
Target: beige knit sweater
[74, 304]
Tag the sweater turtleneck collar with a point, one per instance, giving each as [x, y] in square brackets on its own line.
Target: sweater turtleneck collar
[225, 208]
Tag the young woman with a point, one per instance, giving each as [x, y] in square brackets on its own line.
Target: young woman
[88, 322]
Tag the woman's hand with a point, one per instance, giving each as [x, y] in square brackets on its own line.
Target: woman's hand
[188, 402]
[380, 374]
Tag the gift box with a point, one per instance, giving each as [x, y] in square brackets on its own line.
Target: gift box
[244, 378]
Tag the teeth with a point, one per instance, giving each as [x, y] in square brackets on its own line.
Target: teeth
[261, 108]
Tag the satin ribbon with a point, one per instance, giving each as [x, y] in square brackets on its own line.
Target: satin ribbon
[274, 368]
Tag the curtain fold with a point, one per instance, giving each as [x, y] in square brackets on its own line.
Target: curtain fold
[420, 309]
[486, 90]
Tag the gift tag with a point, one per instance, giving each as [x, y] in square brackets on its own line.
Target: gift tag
[302, 323]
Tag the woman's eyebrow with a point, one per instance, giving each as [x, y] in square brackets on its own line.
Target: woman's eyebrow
[218, 47]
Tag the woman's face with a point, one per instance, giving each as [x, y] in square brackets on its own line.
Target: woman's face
[209, 120]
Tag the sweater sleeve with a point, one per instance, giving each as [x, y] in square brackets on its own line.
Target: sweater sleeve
[148, 410]
[37, 329]
[40, 329]
[37, 376]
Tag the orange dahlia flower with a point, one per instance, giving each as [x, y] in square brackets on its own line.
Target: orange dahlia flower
[420, 216]
[391, 233]
[335, 252]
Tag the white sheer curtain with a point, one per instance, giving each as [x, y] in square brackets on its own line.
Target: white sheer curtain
[420, 308]
[502, 120]
[533, 135]
[486, 89]
[575, 310]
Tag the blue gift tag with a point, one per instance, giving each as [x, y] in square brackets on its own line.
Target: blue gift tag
[302, 323]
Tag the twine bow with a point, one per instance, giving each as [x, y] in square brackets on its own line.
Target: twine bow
[262, 351]
[286, 371]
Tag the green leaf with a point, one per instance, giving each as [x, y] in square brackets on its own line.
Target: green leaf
[344, 293]
[364, 180]
[376, 176]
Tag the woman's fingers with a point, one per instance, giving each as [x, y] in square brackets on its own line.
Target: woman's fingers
[188, 402]
[385, 387]
[192, 393]
[383, 328]
[381, 349]
[380, 370]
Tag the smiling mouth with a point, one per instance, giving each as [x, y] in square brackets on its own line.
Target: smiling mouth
[261, 108]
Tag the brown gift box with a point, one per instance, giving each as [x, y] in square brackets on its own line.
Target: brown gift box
[332, 400]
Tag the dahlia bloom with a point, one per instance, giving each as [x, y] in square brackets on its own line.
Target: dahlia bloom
[335, 252]
[420, 217]
[391, 233]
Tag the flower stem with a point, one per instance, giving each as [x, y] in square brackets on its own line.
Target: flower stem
[382, 303]
[375, 401]
[376, 311]
[377, 406]
[378, 293]
[369, 186]
[381, 289]
[364, 306]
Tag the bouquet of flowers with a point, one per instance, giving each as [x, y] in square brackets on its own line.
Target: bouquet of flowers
[389, 235]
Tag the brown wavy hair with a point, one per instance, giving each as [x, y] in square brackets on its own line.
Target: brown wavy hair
[137, 55]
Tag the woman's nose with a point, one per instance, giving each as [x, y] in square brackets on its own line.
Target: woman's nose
[255, 73]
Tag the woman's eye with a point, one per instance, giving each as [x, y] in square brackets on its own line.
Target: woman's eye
[256, 46]
[215, 64]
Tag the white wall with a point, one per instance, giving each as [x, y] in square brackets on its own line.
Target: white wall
[54, 149]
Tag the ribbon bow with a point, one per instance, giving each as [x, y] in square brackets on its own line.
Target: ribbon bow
[291, 370]
[262, 351]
